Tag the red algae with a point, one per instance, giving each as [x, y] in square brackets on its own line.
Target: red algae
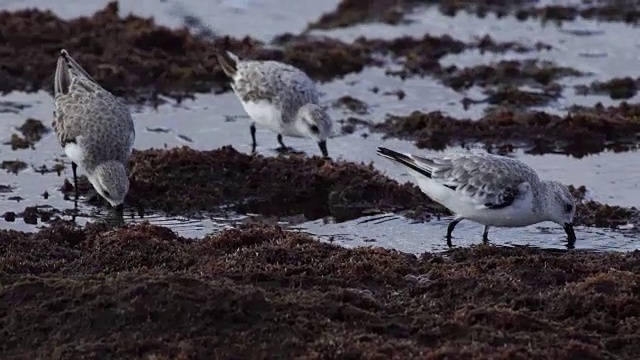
[260, 292]
[393, 12]
[583, 131]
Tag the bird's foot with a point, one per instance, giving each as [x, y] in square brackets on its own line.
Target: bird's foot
[287, 150]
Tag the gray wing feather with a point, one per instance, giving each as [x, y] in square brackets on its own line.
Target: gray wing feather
[494, 181]
[284, 85]
[84, 108]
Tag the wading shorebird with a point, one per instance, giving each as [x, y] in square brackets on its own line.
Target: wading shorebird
[95, 129]
[489, 189]
[278, 96]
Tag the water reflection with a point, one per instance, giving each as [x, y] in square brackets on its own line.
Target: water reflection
[399, 233]
[83, 213]
[114, 217]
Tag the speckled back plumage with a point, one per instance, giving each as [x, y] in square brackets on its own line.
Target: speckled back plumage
[486, 177]
[285, 86]
[89, 115]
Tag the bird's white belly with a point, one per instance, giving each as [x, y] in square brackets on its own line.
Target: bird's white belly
[265, 114]
[74, 152]
[515, 215]
[519, 213]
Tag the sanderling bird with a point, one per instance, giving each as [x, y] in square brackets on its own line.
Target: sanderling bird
[278, 96]
[489, 189]
[95, 129]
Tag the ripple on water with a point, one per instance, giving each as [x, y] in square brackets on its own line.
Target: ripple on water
[397, 232]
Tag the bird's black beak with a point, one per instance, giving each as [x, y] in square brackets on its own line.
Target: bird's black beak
[120, 210]
[323, 148]
[571, 235]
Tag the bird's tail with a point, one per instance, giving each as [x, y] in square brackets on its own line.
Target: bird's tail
[66, 70]
[405, 160]
[228, 61]
[394, 155]
[62, 77]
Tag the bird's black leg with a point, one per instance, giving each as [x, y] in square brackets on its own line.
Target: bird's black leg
[74, 214]
[253, 137]
[485, 234]
[280, 142]
[450, 228]
[283, 149]
[74, 168]
[119, 210]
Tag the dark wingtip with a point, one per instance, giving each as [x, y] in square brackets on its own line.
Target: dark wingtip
[62, 79]
[227, 63]
[403, 159]
[388, 153]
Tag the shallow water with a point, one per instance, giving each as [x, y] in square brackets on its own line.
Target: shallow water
[211, 121]
[396, 232]
[224, 16]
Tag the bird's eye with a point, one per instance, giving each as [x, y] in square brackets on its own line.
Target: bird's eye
[314, 129]
[106, 193]
[568, 208]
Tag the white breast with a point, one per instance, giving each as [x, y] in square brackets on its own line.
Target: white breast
[519, 213]
[266, 114]
[74, 151]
